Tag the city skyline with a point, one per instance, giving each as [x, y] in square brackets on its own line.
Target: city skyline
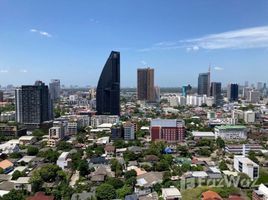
[179, 43]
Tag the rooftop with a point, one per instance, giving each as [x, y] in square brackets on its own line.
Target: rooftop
[225, 127]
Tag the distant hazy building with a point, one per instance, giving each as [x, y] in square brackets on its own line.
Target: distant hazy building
[145, 84]
[92, 93]
[33, 104]
[170, 130]
[232, 92]
[254, 96]
[157, 93]
[259, 86]
[108, 89]
[249, 116]
[204, 84]
[246, 91]
[1, 96]
[186, 90]
[54, 89]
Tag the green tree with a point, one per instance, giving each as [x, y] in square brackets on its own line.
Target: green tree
[14, 195]
[115, 182]
[16, 174]
[32, 151]
[1, 170]
[223, 166]
[105, 192]
[83, 168]
[64, 146]
[220, 143]
[252, 156]
[129, 174]
[124, 191]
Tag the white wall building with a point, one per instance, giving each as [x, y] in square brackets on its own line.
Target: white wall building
[231, 132]
[245, 165]
[64, 161]
[249, 116]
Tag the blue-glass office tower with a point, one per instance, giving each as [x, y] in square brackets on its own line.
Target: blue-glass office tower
[232, 92]
[108, 89]
[204, 84]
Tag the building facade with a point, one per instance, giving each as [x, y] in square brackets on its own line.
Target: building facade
[231, 132]
[216, 92]
[54, 89]
[170, 130]
[33, 104]
[145, 84]
[243, 164]
[108, 89]
[204, 84]
[232, 92]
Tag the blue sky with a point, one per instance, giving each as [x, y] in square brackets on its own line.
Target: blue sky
[71, 40]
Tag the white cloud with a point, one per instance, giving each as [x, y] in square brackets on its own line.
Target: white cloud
[92, 20]
[143, 62]
[248, 38]
[256, 37]
[218, 68]
[3, 71]
[23, 71]
[43, 33]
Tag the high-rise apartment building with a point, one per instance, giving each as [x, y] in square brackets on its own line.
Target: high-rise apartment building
[54, 89]
[145, 84]
[108, 89]
[232, 92]
[204, 84]
[216, 92]
[33, 104]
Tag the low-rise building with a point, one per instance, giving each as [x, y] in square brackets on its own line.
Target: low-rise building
[231, 132]
[243, 164]
[171, 193]
[238, 148]
[7, 166]
[129, 133]
[170, 130]
[54, 136]
[261, 193]
[64, 161]
[27, 139]
[200, 135]
[249, 116]
[23, 183]
[12, 130]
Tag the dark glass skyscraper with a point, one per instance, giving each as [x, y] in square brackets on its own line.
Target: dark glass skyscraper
[204, 84]
[33, 104]
[145, 84]
[108, 89]
[216, 92]
[232, 92]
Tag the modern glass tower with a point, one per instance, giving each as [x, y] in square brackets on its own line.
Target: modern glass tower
[108, 89]
[204, 84]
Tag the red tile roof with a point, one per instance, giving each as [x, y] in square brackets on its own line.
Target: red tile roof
[210, 195]
[41, 196]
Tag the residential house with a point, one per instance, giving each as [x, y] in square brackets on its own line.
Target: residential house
[64, 161]
[7, 166]
[171, 193]
[23, 183]
[210, 195]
